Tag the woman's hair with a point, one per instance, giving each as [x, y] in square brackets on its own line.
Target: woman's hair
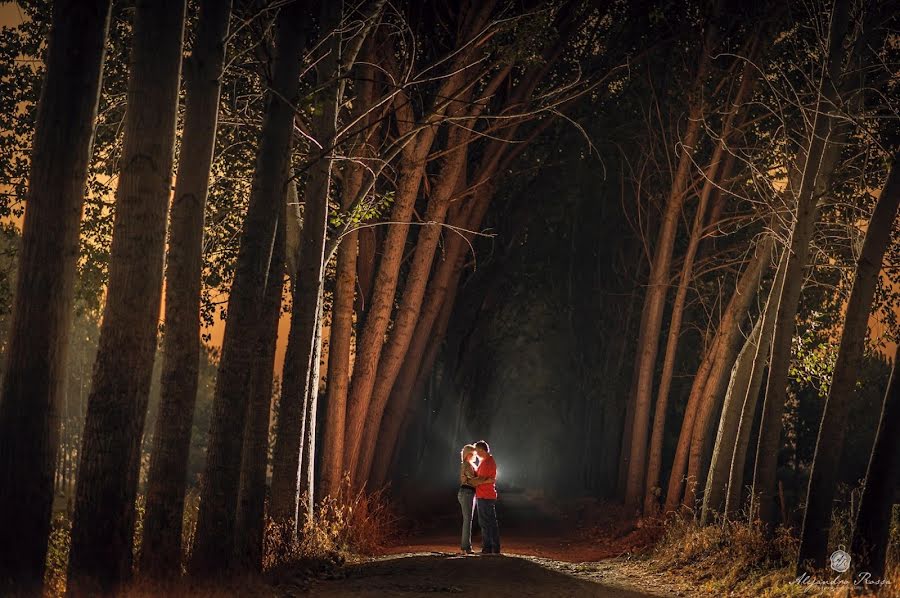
[466, 450]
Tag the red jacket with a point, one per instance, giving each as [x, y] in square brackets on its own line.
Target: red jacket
[486, 469]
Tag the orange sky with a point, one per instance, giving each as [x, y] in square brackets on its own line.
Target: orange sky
[11, 16]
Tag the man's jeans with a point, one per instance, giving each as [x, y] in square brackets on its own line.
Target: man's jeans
[487, 520]
[466, 497]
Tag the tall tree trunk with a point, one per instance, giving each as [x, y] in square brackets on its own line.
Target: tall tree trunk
[413, 293]
[707, 375]
[339, 346]
[716, 479]
[748, 411]
[312, 421]
[307, 284]
[34, 372]
[730, 450]
[342, 311]
[873, 522]
[214, 540]
[340, 341]
[821, 154]
[161, 548]
[824, 475]
[250, 518]
[654, 457]
[714, 172]
[714, 388]
[412, 168]
[103, 522]
[658, 285]
[410, 386]
[438, 302]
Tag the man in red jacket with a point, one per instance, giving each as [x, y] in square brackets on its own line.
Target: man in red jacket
[486, 500]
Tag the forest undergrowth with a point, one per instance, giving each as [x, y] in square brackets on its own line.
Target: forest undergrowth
[734, 558]
[348, 526]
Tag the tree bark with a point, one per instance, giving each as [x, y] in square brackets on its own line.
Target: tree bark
[716, 479]
[707, 374]
[307, 284]
[342, 311]
[339, 346]
[161, 548]
[38, 340]
[250, 518]
[413, 294]
[725, 359]
[214, 540]
[657, 288]
[441, 292]
[412, 168]
[824, 475]
[727, 465]
[714, 172]
[821, 154]
[312, 421]
[871, 533]
[410, 386]
[103, 522]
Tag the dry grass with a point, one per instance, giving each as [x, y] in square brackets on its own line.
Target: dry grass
[348, 524]
[735, 559]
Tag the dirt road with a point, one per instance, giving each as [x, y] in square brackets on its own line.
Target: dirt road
[544, 555]
[508, 576]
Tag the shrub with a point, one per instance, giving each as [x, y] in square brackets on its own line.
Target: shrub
[352, 522]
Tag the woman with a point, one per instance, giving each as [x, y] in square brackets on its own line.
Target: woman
[466, 494]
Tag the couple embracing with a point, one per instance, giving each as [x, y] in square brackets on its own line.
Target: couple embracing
[477, 490]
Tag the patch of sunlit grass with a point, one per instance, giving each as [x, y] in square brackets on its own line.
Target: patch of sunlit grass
[352, 522]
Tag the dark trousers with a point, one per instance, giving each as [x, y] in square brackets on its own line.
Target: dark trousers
[487, 520]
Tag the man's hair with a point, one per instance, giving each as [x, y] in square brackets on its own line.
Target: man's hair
[483, 445]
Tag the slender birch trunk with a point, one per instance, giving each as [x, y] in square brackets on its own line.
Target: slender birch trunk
[716, 479]
[727, 466]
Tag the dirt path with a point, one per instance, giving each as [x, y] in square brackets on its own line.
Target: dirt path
[508, 576]
[544, 555]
